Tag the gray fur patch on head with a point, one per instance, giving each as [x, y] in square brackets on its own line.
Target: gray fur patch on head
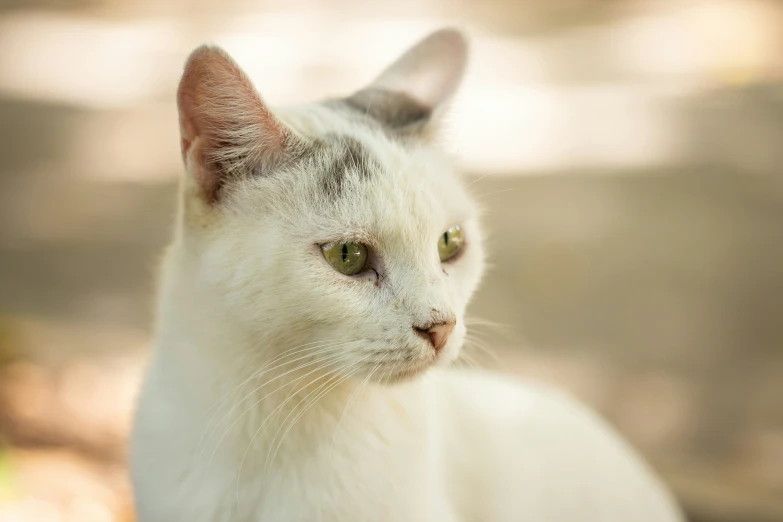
[394, 110]
[344, 158]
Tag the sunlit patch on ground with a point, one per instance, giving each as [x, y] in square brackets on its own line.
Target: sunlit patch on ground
[64, 423]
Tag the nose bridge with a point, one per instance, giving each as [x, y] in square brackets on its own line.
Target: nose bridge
[438, 316]
[425, 294]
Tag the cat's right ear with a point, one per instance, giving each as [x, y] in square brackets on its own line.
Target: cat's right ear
[411, 93]
[226, 130]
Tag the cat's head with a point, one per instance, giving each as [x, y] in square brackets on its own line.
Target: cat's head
[336, 231]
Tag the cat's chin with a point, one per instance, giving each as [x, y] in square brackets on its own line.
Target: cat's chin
[414, 371]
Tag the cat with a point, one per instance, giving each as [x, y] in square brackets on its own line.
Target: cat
[309, 306]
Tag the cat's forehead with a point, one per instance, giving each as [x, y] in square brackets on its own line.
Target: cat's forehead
[341, 162]
[358, 182]
[348, 157]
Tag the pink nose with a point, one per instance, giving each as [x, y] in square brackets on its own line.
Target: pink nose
[436, 333]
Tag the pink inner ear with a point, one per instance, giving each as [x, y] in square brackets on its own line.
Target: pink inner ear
[219, 108]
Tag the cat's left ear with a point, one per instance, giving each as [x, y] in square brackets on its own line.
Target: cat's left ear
[226, 129]
[413, 91]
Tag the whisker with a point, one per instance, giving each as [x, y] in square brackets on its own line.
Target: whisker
[481, 321]
[320, 350]
[393, 369]
[356, 393]
[476, 180]
[264, 423]
[495, 192]
[332, 358]
[300, 348]
[468, 360]
[307, 407]
[471, 343]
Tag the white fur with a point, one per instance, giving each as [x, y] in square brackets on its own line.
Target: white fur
[227, 428]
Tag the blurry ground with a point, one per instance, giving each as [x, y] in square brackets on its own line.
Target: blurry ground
[631, 173]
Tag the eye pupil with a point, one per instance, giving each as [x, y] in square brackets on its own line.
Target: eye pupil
[450, 243]
[346, 258]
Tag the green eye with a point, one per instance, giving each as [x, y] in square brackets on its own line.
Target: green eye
[450, 242]
[346, 258]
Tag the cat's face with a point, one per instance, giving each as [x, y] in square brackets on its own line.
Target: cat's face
[335, 230]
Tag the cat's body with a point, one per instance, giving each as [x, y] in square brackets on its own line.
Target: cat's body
[453, 448]
[282, 390]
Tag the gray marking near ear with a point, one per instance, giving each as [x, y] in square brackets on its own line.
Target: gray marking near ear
[409, 96]
[395, 110]
[346, 157]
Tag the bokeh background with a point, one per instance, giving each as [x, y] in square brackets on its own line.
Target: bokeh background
[629, 154]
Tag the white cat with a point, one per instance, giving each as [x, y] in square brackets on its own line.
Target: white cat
[310, 303]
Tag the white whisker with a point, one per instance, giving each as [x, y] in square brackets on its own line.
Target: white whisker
[266, 420]
[300, 348]
[332, 358]
[319, 351]
[307, 406]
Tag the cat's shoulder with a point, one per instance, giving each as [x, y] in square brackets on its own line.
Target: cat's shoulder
[524, 432]
[498, 394]
[522, 408]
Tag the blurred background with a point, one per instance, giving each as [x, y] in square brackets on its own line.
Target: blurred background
[629, 154]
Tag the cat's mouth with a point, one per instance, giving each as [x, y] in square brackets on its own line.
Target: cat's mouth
[393, 365]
